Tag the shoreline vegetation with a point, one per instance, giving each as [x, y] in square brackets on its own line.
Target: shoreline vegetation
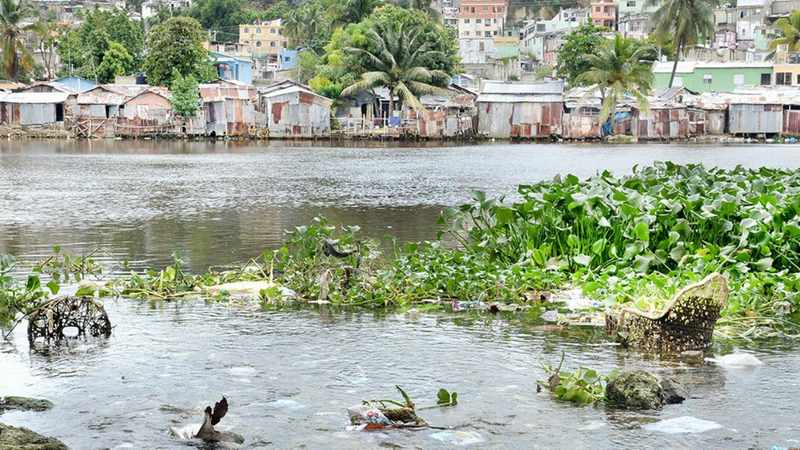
[630, 240]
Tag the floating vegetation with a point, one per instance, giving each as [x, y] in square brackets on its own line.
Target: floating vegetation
[625, 241]
[583, 386]
[380, 414]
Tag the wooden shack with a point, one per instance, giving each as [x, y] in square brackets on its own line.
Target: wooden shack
[229, 108]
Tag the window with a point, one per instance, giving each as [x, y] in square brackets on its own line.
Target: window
[477, 20]
[466, 33]
[258, 30]
[798, 79]
[258, 43]
[272, 30]
[766, 79]
[246, 30]
[272, 44]
[482, 46]
[466, 20]
[631, 4]
[495, 32]
[783, 79]
[606, 9]
[488, 33]
[738, 79]
[472, 9]
[597, 9]
[539, 27]
[707, 79]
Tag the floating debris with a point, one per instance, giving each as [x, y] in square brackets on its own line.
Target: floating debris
[736, 360]
[459, 438]
[65, 317]
[684, 424]
[381, 414]
[687, 323]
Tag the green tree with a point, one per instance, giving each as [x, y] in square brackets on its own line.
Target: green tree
[582, 41]
[116, 61]
[618, 67]
[789, 33]
[686, 22]
[310, 25]
[355, 11]
[17, 60]
[176, 44]
[220, 17]
[83, 49]
[185, 95]
[307, 65]
[398, 57]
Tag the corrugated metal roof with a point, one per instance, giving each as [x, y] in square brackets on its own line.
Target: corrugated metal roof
[517, 98]
[293, 89]
[219, 92]
[513, 88]
[34, 97]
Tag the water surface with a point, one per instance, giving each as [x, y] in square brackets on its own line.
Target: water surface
[289, 375]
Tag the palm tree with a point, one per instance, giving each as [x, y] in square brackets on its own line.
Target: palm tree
[685, 21]
[789, 30]
[355, 10]
[16, 58]
[619, 66]
[399, 61]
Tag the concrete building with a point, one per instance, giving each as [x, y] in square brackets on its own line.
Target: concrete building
[712, 76]
[604, 13]
[543, 38]
[635, 18]
[233, 68]
[479, 21]
[264, 39]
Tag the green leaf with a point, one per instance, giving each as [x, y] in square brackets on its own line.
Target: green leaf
[33, 283]
[642, 232]
[86, 290]
[598, 246]
[583, 260]
[642, 263]
[53, 286]
[763, 264]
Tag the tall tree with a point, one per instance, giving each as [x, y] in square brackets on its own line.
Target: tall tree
[618, 67]
[176, 44]
[48, 33]
[116, 61]
[789, 33]
[398, 63]
[17, 60]
[686, 22]
[584, 40]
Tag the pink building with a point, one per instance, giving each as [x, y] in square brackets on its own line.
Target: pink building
[604, 13]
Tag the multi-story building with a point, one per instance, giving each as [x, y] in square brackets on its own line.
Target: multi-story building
[604, 13]
[263, 39]
[543, 38]
[479, 22]
[635, 18]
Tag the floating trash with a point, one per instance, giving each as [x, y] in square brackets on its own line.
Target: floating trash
[684, 424]
[459, 438]
[736, 360]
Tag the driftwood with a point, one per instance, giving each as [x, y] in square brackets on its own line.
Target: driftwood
[85, 315]
[686, 324]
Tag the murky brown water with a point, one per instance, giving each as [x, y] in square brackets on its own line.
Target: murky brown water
[289, 375]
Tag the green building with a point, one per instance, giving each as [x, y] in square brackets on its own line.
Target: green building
[713, 76]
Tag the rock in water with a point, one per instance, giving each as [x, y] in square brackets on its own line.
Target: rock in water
[635, 390]
[18, 438]
[672, 391]
[24, 404]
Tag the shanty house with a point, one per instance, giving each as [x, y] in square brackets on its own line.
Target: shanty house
[293, 110]
[446, 115]
[101, 102]
[754, 116]
[149, 112]
[520, 110]
[581, 118]
[228, 108]
[32, 108]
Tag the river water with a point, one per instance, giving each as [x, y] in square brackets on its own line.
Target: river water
[289, 375]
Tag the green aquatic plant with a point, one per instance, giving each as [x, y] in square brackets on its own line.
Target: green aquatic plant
[584, 386]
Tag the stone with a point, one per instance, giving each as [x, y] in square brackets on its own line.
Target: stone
[24, 404]
[673, 392]
[635, 390]
[18, 438]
